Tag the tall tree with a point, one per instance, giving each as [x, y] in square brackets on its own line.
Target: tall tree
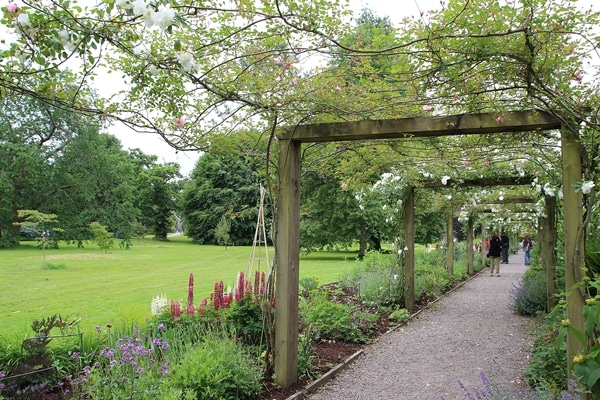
[158, 192]
[221, 185]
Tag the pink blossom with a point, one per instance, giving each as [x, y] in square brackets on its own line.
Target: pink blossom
[11, 8]
[465, 163]
[427, 108]
[179, 122]
[344, 186]
[456, 100]
[500, 120]
[338, 89]
[295, 81]
[486, 163]
[578, 76]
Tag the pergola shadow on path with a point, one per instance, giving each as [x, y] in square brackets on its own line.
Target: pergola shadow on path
[287, 237]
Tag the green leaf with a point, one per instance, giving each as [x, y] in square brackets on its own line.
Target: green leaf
[177, 45]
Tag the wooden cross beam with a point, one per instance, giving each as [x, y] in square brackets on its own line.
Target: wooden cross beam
[452, 125]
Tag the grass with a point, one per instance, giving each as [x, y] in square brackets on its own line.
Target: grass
[117, 287]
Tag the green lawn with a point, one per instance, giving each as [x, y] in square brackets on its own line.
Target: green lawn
[118, 287]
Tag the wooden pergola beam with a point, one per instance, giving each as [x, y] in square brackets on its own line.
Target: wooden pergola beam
[461, 124]
[481, 182]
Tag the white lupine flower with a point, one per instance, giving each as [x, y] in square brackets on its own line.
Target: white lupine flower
[586, 187]
[159, 305]
[139, 8]
[445, 179]
[164, 17]
[186, 60]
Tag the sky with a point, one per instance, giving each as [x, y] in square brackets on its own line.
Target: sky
[153, 143]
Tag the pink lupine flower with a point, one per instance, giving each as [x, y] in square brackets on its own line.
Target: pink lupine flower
[179, 122]
[344, 186]
[578, 76]
[427, 108]
[12, 7]
[500, 120]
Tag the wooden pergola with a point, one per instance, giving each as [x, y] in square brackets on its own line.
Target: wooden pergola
[287, 237]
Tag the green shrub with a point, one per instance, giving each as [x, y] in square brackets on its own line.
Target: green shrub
[245, 316]
[378, 279]
[309, 283]
[336, 321]
[218, 368]
[399, 316]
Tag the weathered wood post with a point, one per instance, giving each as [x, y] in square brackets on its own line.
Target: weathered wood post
[470, 255]
[483, 248]
[409, 260]
[287, 257]
[547, 240]
[450, 242]
[572, 218]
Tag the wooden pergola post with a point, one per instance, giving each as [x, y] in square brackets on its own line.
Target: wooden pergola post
[450, 242]
[409, 260]
[287, 258]
[572, 218]
[483, 248]
[470, 255]
[549, 258]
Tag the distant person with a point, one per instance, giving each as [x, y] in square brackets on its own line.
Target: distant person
[494, 254]
[527, 244]
[505, 243]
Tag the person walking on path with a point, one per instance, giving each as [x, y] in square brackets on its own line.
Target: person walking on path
[494, 254]
[527, 243]
[445, 350]
[505, 245]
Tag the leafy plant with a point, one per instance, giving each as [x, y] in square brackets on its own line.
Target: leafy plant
[399, 316]
[218, 368]
[548, 366]
[335, 321]
[309, 283]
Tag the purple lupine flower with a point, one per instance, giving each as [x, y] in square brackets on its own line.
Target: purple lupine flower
[161, 327]
[75, 355]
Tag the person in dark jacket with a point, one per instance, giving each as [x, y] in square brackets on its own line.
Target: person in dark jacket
[505, 245]
[494, 254]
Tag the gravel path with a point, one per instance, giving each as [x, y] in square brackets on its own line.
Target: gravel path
[469, 331]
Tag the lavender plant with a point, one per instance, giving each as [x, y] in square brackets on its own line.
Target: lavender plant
[530, 295]
[134, 368]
